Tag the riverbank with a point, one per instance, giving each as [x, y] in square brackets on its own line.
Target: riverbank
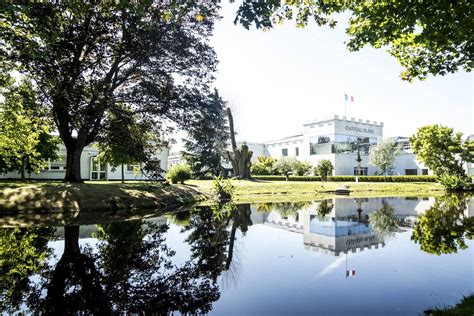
[104, 196]
[281, 191]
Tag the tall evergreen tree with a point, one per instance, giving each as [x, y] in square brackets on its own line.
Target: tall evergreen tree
[207, 140]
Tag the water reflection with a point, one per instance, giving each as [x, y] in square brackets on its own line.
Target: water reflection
[130, 265]
[129, 269]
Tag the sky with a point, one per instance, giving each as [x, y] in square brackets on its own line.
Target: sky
[277, 80]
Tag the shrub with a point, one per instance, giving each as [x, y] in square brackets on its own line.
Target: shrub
[223, 189]
[284, 166]
[301, 168]
[324, 169]
[179, 173]
[264, 166]
[352, 178]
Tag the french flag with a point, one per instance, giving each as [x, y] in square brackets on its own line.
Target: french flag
[348, 97]
[350, 273]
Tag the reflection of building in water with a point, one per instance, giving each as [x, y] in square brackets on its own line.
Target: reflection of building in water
[342, 224]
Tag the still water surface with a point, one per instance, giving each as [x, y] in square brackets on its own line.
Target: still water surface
[346, 256]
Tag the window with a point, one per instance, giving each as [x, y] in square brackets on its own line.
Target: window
[424, 172]
[58, 165]
[319, 145]
[132, 167]
[284, 152]
[363, 171]
[411, 172]
[297, 151]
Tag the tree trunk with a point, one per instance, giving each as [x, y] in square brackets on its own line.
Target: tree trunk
[71, 240]
[73, 164]
[240, 158]
[123, 174]
[22, 170]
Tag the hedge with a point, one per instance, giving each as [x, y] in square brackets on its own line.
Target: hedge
[352, 178]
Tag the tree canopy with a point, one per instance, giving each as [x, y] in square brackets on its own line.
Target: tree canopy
[26, 143]
[91, 59]
[383, 155]
[426, 37]
[206, 144]
[445, 152]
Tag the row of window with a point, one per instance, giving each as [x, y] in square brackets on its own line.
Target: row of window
[284, 152]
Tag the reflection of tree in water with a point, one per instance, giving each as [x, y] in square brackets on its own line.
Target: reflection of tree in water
[384, 221]
[131, 268]
[23, 253]
[442, 229]
[325, 207]
[212, 244]
[131, 271]
[285, 209]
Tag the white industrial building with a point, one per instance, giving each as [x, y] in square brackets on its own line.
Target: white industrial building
[340, 140]
[91, 167]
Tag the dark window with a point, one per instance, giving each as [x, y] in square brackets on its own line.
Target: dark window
[424, 172]
[297, 151]
[411, 172]
[362, 172]
[284, 152]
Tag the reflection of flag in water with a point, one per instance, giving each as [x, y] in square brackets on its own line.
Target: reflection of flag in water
[350, 273]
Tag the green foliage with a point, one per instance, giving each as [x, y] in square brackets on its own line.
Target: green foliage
[93, 59]
[442, 229]
[325, 207]
[223, 189]
[463, 308]
[126, 140]
[301, 168]
[384, 221]
[26, 144]
[284, 166]
[324, 169]
[383, 155]
[206, 145]
[444, 152]
[287, 165]
[23, 253]
[179, 173]
[264, 166]
[352, 178]
[425, 37]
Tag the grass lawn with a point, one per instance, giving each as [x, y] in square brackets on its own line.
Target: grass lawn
[92, 196]
[282, 191]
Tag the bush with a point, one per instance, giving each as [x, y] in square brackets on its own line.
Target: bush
[351, 178]
[264, 166]
[324, 169]
[179, 173]
[223, 189]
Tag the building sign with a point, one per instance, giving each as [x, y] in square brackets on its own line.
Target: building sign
[351, 242]
[360, 129]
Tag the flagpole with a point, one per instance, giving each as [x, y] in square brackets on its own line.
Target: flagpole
[345, 104]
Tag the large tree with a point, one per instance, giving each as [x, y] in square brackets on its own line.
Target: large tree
[87, 59]
[426, 37]
[445, 152]
[206, 145]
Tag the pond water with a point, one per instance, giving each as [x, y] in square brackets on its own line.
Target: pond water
[344, 256]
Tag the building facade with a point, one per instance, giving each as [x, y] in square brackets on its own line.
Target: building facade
[342, 140]
[92, 168]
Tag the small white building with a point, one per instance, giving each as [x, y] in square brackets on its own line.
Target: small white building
[91, 167]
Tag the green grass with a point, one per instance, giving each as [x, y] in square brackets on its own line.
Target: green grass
[464, 308]
[281, 191]
[94, 196]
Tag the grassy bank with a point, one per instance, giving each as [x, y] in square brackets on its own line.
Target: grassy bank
[280, 191]
[92, 197]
